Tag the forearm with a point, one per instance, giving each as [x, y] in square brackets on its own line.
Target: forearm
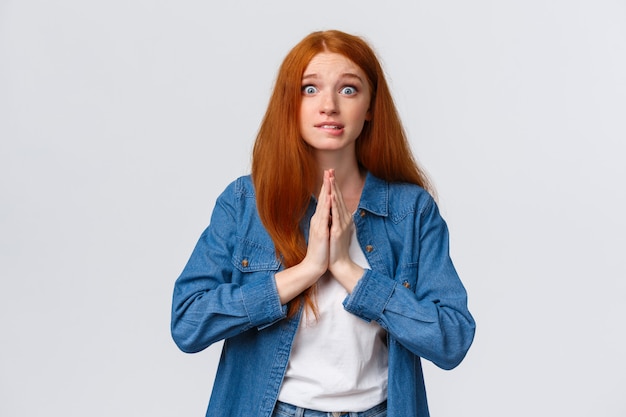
[292, 281]
[437, 327]
[202, 317]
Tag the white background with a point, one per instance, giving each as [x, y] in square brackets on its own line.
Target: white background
[121, 121]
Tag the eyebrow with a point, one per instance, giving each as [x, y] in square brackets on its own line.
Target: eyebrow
[344, 75]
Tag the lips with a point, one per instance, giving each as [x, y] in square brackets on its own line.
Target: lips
[329, 125]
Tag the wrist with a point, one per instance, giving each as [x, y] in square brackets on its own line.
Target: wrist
[347, 274]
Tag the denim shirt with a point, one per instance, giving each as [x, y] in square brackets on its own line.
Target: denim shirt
[227, 292]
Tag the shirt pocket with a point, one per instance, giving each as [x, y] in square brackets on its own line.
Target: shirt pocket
[250, 257]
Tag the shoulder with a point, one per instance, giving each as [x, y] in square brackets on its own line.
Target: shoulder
[405, 189]
[407, 199]
[237, 197]
[241, 187]
[397, 199]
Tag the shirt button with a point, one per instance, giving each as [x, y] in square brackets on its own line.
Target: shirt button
[406, 284]
[244, 263]
[369, 248]
[362, 213]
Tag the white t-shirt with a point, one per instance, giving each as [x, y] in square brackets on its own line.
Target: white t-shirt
[339, 361]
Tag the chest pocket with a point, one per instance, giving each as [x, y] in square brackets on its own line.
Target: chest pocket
[253, 257]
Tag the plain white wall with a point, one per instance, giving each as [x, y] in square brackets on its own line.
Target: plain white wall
[121, 121]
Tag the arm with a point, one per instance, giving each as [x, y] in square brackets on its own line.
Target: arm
[213, 299]
[432, 319]
[231, 284]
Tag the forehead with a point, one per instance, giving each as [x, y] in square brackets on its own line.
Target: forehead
[330, 63]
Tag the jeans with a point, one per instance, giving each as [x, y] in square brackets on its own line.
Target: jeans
[287, 410]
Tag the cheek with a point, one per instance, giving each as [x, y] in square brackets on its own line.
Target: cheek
[305, 111]
[303, 121]
[301, 118]
[365, 113]
[368, 115]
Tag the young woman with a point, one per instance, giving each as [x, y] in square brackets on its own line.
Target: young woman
[326, 272]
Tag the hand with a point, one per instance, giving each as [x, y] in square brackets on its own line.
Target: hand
[341, 228]
[317, 255]
[294, 280]
[330, 231]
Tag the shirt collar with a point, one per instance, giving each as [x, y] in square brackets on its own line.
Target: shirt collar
[375, 196]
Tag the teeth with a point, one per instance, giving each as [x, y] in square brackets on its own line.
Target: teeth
[330, 127]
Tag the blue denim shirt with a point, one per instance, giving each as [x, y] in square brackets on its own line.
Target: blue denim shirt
[227, 292]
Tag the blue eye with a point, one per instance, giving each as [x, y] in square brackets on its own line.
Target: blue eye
[348, 90]
[309, 89]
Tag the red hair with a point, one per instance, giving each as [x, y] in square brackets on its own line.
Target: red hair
[284, 171]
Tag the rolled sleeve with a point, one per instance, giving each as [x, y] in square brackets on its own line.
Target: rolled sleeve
[370, 296]
[262, 303]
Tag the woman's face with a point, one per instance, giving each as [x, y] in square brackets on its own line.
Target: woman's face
[335, 102]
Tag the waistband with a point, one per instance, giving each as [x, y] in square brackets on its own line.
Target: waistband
[283, 410]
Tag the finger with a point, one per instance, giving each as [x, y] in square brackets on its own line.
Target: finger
[322, 215]
[338, 202]
[323, 200]
[328, 176]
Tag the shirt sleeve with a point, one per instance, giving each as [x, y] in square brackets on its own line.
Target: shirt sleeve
[208, 303]
[431, 320]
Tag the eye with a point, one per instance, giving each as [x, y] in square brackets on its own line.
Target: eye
[309, 89]
[348, 90]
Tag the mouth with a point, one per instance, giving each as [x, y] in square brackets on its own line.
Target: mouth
[331, 126]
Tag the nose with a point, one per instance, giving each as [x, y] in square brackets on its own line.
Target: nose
[328, 103]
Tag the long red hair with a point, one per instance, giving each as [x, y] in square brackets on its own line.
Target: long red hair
[284, 171]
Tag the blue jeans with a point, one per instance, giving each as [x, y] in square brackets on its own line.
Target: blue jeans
[287, 410]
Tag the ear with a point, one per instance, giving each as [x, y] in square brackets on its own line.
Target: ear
[368, 115]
